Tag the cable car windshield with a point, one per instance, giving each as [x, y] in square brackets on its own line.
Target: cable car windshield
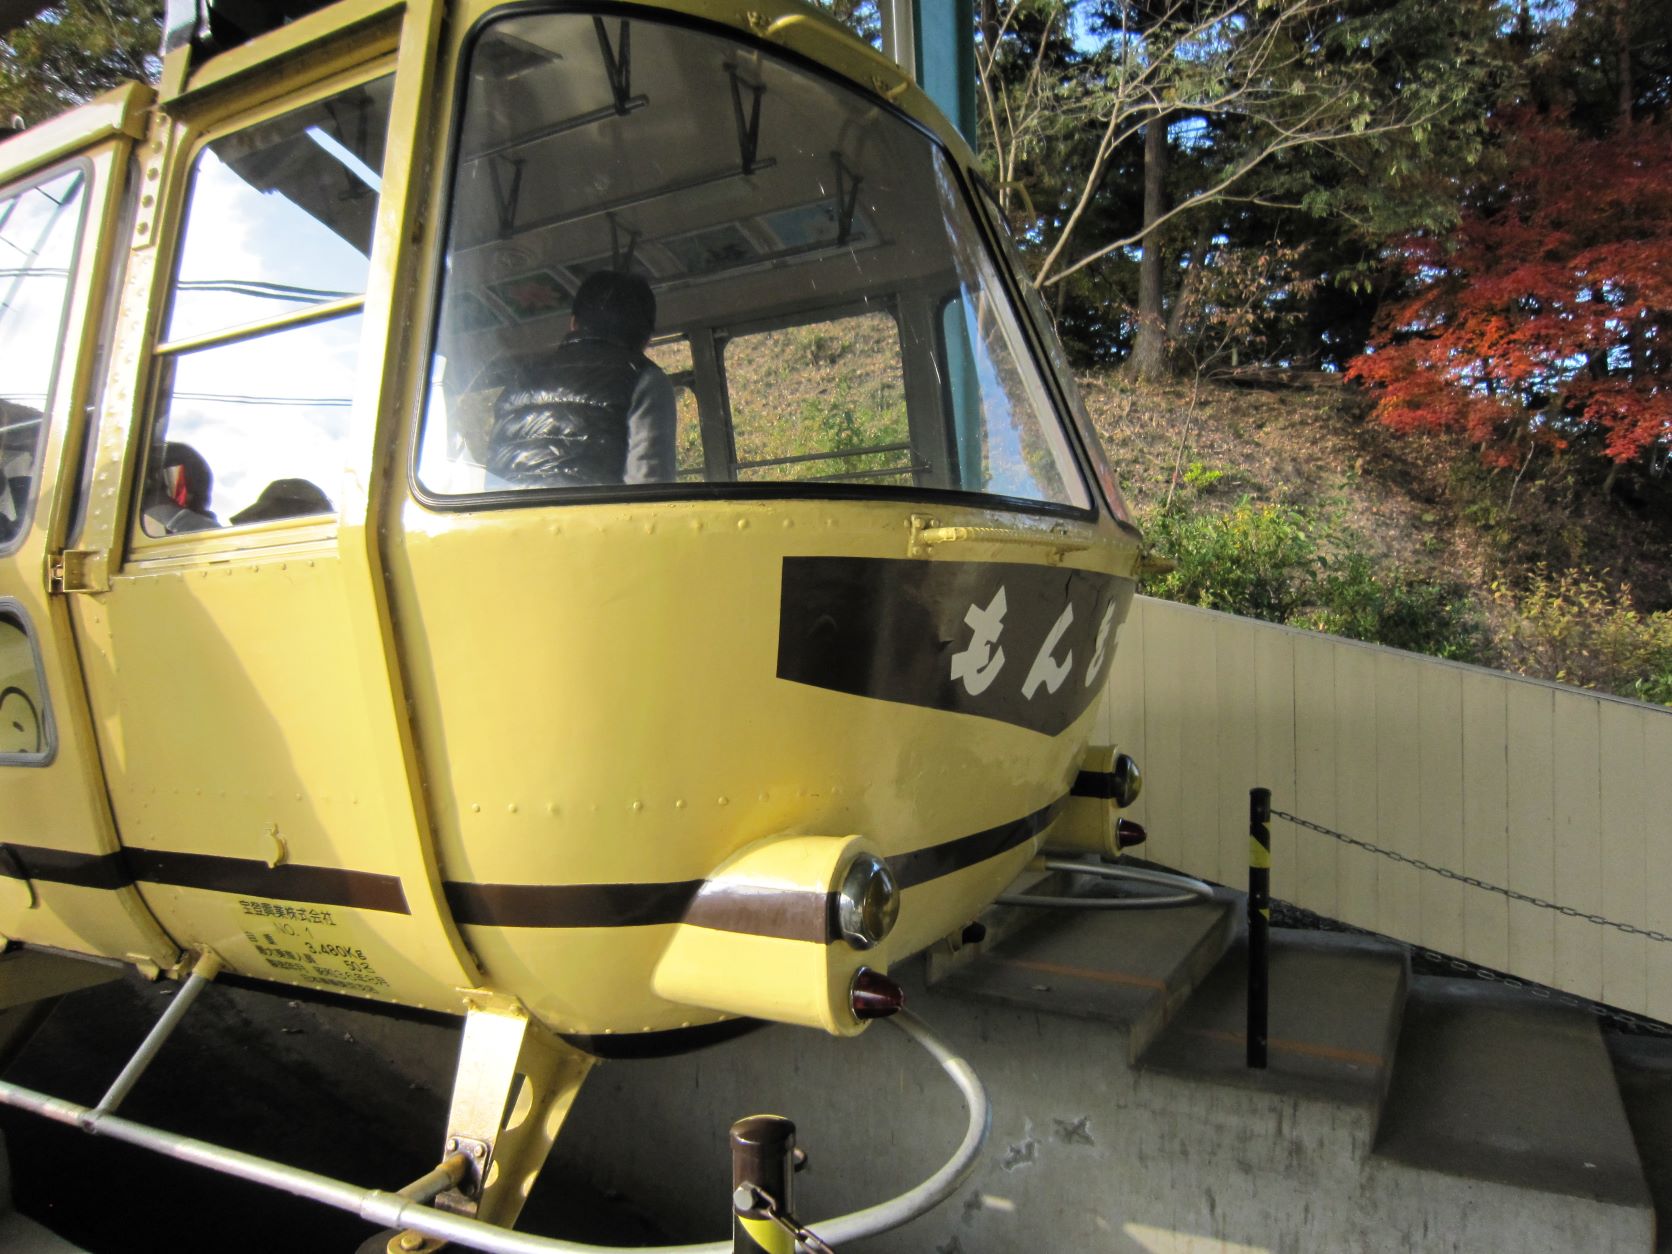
[674, 259]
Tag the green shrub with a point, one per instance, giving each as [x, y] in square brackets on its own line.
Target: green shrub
[1392, 607]
[1199, 476]
[1572, 627]
[1256, 560]
[1269, 562]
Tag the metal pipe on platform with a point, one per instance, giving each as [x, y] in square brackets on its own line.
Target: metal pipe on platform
[1191, 890]
[392, 1210]
[1259, 922]
[448, 1174]
[207, 968]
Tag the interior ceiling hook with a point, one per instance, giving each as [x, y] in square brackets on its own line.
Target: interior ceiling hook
[506, 200]
[847, 198]
[618, 62]
[748, 130]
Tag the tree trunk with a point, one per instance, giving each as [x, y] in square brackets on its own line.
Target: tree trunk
[1622, 58]
[1149, 347]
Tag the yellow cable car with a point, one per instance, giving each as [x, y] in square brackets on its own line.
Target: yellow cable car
[301, 672]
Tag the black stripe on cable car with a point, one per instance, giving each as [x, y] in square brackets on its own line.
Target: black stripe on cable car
[726, 908]
[315, 885]
[570, 905]
[922, 865]
[790, 916]
[60, 866]
[1099, 784]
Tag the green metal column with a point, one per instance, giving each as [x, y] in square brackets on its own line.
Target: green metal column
[945, 33]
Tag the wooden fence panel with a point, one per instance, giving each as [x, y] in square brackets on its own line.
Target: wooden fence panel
[1164, 661]
[1578, 822]
[1236, 699]
[1625, 959]
[1357, 873]
[1532, 840]
[1657, 869]
[1315, 774]
[1398, 805]
[1440, 783]
[1198, 748]
[1275, 740]
[1485, 818]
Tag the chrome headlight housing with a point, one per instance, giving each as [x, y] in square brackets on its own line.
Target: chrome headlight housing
[1128, 781]
[868, 902]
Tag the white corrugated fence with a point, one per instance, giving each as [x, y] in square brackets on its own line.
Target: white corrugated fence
[1548, 790]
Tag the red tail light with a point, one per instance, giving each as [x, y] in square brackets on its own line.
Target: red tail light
[874, 995]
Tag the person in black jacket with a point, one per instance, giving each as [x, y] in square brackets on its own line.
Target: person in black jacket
[597, 411]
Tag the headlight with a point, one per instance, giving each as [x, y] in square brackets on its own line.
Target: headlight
[868, 903]
[1129, 781]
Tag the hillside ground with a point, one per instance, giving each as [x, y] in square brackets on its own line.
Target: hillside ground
[1424, 506]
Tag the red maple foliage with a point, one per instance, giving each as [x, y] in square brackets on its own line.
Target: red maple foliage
[1547, 313]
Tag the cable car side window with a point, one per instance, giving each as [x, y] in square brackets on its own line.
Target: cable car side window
[821, 401]
[673, 357]
[26, 734]
[617, 179]
[40, 226]
[257, 366]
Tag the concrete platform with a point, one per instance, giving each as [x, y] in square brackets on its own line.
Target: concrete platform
[24, 1236]
[1643, 1069]
[1333, 1019]
[1130, 969]
[1493, 1085]
[1088, 1153]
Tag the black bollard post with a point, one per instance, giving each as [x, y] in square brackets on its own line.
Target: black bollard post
[1259, 922]
[763, 1165]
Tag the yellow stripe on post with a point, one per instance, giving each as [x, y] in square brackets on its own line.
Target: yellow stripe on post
[769, 1236]
[1258, 855]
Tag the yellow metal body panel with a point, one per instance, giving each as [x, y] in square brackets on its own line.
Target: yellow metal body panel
[296, 52]
[59, 807]
[616, 669]
[232, 727]
[243, 682]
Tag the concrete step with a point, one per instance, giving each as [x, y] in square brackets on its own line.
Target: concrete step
[1334, 1013]
[1493, 1084]
[1643, 1068]
[1132, 969]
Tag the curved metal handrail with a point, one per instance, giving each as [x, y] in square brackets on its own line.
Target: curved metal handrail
[1191, 890]
[392, 1210]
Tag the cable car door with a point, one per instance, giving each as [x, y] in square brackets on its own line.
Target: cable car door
[62, 880]
[249, 711]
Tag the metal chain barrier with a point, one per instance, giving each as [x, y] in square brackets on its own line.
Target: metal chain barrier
[1287, 914]
[1566, 911]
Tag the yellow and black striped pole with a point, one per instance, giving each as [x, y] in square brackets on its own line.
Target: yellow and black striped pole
[763, 1152]
[1259, 921]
